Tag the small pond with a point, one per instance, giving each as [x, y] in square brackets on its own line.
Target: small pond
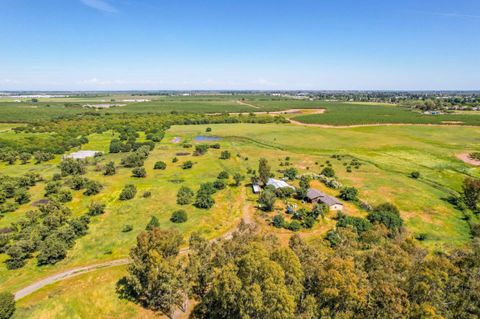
[207, 138]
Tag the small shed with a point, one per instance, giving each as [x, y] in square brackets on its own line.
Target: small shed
[256, 188]
[316, 196]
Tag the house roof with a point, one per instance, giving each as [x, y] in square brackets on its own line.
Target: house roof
[256, 188]
[278, 183]
[314, 194]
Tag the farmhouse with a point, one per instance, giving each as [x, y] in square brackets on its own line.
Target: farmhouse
[81, 154]
[316, 196]
[278, 183]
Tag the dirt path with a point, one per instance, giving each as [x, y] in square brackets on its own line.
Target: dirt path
[247, 104]
[246, 216]
[67, 274]
[376, 124]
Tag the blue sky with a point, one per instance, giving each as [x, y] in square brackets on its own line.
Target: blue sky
[239, 44]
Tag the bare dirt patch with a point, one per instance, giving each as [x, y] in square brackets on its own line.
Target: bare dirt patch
[467, 159]
[452, 122]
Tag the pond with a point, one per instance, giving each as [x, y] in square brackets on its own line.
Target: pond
[207, 138]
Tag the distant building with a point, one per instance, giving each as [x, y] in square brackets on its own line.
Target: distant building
[316, 196]
[276, 183]
[81, 154]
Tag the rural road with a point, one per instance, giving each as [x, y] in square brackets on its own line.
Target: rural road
[67, 274]
[112, 263]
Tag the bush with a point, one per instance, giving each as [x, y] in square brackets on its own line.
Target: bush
[267, 200]
[160, 165]
[219, 184]
[328, 172]
[187, 165]
[290, 173]
[109, 169]
[153, 223]
[64, 196]
[360, 224]
[184, 196]
[225, 155]
[349, 193]
[284, 192]
[174, 160]
[223, 175]
[139, 172]
[415, 175]
[128, 192]
[127, 228]
[96, 209]
[238, 178]
[200, 149]
[147, 194]
[7, 305]
[179, 216]
[208, 129]
[295, 225]
[78, 182]
[22, 196]
[92, 188]
[278, 221]
[133, 160]
[70, 166]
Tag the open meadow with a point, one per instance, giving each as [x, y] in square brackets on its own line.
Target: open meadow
[388, 155]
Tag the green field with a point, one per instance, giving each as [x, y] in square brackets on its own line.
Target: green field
[388, 155]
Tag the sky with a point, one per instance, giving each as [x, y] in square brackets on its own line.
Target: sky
[239, 44]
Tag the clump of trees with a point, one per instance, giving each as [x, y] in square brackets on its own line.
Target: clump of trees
[7, 305]
[46, 233]
[204, 197]
[366, 274]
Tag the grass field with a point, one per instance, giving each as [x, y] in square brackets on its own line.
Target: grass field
[388, 154]
[337, 113]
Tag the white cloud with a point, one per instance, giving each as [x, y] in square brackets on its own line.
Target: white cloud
[100, 5]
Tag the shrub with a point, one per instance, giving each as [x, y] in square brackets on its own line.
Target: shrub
[70, 166]
[127, 228]
[184, 196]
[153, 223]
[295, 225]
[147, 194]
[22, 196]
[179, 216]
[78, 182]
[225, 155]
[328, 172]
[187, 165]
[64, 196]
[415, 175]
[109, 169]
[128, 192]
[96, 209]
[223, 175]
[200, 149]
[278, 221]
[160, 165]
[208, 129]
[349, 193]
[284, 192]
[290, 173]
[133, 160]
[215, 146]
[7, 305]
[360, 224]
[139, 172]
[219, 184]
[56, 177]
[174, 160]
[267, 200]
[92, 188]
[238, 178]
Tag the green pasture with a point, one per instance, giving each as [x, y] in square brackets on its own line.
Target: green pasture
[388, 154]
